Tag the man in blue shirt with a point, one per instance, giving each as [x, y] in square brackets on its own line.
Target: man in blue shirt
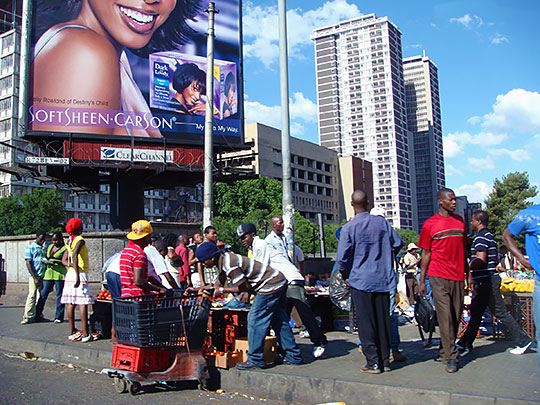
[527, 221]
[33, 256]
[365, 259]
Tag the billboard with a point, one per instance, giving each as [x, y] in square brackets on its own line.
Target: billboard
[108, 69]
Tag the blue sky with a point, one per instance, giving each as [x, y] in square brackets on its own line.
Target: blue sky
[488, 57]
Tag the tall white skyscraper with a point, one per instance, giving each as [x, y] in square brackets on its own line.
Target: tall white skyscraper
[361, 102]
[424, 122]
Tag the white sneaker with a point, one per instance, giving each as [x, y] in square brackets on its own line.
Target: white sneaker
[521, 350]
[304, 334]
[318, 351]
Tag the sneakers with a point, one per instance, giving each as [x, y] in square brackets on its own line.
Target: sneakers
[396, 355]
[58, 321]
[374, 369]
[27, 321]
[318, 351]
[451, 366]
[522, 349]
[86, 339]
[304, 334]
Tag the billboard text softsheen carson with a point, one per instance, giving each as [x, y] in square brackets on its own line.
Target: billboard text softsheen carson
[113, 69]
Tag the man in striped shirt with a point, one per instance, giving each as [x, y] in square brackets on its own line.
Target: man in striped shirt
[134, 263]
[268, 308]
[487, 285]
[443, 259]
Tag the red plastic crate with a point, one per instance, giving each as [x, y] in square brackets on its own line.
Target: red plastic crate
[139, 359]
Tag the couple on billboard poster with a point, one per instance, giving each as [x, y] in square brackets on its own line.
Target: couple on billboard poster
[133, 67]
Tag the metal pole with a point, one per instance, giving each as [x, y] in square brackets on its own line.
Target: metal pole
[287, 202]
[322, 245]
[24, 70]
[209, 120]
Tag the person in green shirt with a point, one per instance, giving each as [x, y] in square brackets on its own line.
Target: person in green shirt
[54, 277]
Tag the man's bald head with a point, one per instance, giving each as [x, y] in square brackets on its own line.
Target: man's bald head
[359, 201]
[277, 224]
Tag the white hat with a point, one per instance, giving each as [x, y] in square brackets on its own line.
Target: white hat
[411, 246]
[377, 211]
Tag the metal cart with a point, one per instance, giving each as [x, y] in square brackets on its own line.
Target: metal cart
[177, 324]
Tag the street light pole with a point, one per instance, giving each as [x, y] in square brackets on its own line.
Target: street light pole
[287, 202]
[209, 120]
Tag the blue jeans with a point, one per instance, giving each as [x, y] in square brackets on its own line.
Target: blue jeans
[46, 288]
[114, 286]
[536, 315]
[266, 310]
[394, 331]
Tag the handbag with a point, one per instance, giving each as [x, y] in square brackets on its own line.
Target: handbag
[424, 314]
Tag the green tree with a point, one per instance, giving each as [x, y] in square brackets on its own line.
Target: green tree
[508, 196]
[24, 215]
[330, 240]
[408, 236]
[257, 201]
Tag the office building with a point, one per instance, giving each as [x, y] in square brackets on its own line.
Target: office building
[317, 174]
[424, 123]
[361, 107]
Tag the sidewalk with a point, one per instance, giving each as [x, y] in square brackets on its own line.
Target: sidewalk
[490, 375]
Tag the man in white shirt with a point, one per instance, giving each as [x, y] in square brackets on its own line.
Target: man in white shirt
[157, 267]
[262, 250]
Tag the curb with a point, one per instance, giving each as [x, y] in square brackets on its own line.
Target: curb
[275, 386]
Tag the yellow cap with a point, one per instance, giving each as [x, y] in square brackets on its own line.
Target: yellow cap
[139, 230]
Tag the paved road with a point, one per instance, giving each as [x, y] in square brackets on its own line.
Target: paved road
[42, 382]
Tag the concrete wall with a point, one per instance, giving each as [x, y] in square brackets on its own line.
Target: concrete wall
[101, 245]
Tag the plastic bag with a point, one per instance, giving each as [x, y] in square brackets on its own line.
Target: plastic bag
[340, 293]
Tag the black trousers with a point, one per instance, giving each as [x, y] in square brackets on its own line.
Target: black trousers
[487, 293]
[296, 297]
[373, 320]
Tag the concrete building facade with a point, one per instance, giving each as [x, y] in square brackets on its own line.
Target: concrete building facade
[320, 183]
[361, 106]
[424, 123]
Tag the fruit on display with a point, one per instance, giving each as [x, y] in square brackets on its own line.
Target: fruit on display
[104, 295]
[511, 284]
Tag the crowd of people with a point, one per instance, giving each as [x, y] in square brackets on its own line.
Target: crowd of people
[272, 280]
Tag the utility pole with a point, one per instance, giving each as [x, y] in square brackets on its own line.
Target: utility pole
[287, 202]
[208, 207]
[24, 69]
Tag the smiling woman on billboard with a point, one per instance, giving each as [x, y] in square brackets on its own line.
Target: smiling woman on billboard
[79, 62]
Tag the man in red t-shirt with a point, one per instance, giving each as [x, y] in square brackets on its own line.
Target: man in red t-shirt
[443, 259]
[134, 264]
[181, 250]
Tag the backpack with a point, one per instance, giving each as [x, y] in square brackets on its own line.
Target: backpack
[424, 314]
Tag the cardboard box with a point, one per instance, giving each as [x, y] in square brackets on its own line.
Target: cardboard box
[224, 360]
[270, 348]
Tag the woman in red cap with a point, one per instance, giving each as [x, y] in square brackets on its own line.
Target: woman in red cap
[76, 290]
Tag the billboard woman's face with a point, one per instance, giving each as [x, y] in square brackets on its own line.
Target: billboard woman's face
[192, 93]
[132, 23]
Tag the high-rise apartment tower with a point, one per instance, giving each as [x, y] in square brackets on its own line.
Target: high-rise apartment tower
[361, 107]
[424, 121]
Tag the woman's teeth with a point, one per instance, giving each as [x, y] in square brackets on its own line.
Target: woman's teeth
[137, 16]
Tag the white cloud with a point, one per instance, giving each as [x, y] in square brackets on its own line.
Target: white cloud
[480, 164]
[452, 171]
[300, 109]
[468, 21]
[518, 110]
[499, 39]
[476, 192]
[433, 25]
[517, 154]
[261, 27]
[454, 143]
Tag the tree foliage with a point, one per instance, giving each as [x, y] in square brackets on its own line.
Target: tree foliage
[257, 201]
[408, 236]
[24, 215]
[508, 196]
